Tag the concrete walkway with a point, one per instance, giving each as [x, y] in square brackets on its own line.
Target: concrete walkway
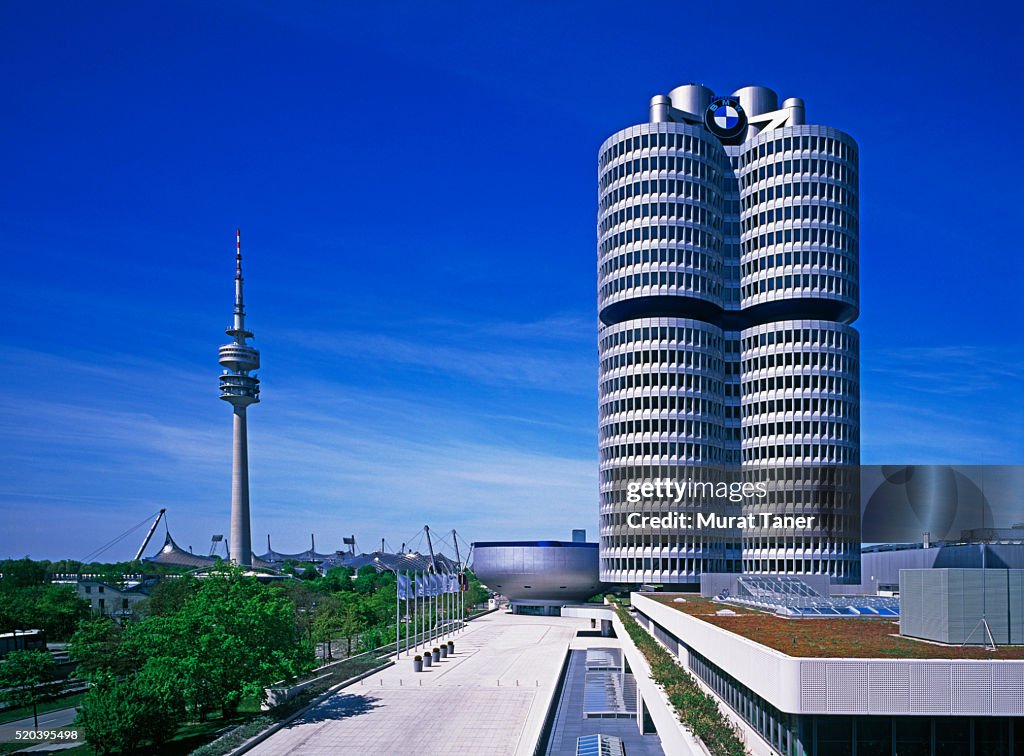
[490, 698]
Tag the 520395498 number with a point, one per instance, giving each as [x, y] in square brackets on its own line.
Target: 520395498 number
[46, 734]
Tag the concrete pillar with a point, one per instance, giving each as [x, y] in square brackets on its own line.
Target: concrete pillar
[659, 114]
[795, 106]
[241, 535]
[691, 98]
[644, 719]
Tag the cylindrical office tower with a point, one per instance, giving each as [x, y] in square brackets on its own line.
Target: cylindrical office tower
[662, 351]
[727, 283]
[660, 222]
[801, 436]
[798, 223]
[799, 356]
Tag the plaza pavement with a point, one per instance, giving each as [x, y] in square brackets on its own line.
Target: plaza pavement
[491, 698]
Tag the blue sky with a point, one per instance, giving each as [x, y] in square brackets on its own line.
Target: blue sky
[416, 190]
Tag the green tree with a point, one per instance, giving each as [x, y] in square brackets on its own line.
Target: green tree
[53, 608]
[58, 610]
[169, 595]
[305, 600]
[368, 580]
[16, 609]
[380, 605]
[327, 623]
[20, 573]
[351, 618]
[337, 580]
[97, 649]
[230, 640]
[121, 715]
[26, 679]
[475, 592]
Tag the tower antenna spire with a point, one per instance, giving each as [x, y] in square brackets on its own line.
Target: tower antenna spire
[238, 331]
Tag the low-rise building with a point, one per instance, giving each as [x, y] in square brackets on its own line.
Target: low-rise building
[107, 599]
[22, 640]
[539, 577]
[825, 686]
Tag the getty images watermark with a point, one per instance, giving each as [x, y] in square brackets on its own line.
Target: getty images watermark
[718, 494]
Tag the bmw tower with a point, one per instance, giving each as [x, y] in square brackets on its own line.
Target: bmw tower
[727, 288]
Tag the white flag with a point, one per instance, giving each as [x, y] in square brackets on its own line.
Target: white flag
[405, 589]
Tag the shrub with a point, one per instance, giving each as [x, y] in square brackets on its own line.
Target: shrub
[122, 715]
[695, 708]
[230, 740]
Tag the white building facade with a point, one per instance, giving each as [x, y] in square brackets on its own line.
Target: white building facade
[806, 706]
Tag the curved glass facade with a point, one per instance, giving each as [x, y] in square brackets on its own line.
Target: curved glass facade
[727, 282]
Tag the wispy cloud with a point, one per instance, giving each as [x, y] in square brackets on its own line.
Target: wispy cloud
[956, 369]
[952, 404]
[326, 457]
[908, 433]
[94, 442]
[554, 355]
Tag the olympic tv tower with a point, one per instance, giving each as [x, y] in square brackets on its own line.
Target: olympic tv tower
[240, 389]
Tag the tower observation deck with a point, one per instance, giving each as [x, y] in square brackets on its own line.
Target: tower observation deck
[240, 387]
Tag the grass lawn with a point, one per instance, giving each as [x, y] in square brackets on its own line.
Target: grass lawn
[9, 715]
[82, 750]
[188, 737]
[194, 734]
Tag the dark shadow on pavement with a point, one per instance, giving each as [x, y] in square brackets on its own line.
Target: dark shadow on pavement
[338, 707]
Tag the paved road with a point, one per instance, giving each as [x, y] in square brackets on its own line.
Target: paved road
[489, 700]
[51, 720]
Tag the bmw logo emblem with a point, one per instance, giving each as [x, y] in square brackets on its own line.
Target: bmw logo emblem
[725, 118]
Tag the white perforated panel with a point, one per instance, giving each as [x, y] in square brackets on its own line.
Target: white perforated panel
[813, 686]
[888, 688]
[1008, 690]
[929, 688]
[972, 688]
[847, 686]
